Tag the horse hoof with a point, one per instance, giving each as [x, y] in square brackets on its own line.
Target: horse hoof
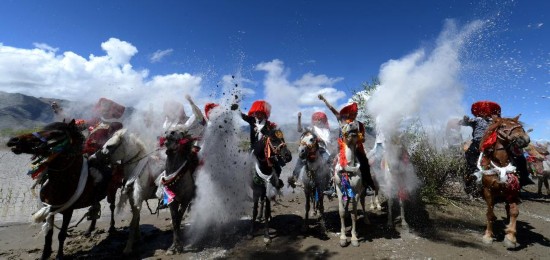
[343, 242]
[267, 240]
[249, 236]
[405, 226]
[87, 234]
[112, 230]
[487, 240]
[355, 243]
[304, 228]
[510, 244]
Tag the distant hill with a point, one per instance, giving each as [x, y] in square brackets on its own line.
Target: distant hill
[18, 111]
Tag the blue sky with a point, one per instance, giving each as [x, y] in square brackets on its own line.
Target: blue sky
[284, 51]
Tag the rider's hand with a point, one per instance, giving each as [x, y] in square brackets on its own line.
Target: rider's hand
[188, 98]
[321, 97]
[299, 114]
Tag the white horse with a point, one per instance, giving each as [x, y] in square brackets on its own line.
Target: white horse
[392, 174]
[315, 176]
[128, 151]
[347, 179]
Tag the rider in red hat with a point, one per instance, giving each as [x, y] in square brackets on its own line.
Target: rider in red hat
[483, 111]
[320, 127]
[345, 115]
[257, 118]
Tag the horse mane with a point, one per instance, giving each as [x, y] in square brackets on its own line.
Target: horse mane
[133, 137]
[71, 128]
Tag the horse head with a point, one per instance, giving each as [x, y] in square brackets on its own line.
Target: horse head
[275, 145]
[509, 133]
[309, 145]
[178, 142]
[53, 138]
[350, 133]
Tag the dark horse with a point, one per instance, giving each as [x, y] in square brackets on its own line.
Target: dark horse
[178, 181]
[270, 153]
[503, 140]
[64, 174]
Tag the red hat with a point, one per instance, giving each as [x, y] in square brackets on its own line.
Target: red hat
[109, 109]
[260, 106]
[319, 118]
[208, 107]
[485, 109]
[349, 111]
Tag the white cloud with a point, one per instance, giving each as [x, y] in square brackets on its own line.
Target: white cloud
[287, 98]
[45, 47]
[42, 72]
[158, 55]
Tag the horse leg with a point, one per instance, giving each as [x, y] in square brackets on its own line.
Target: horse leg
[261, 216]
[111, 198]
[92, 213]
[134, 225]
[354, 240]
[47, 252]
[267, 238]
[322, 214]
[342, 212]
[362, 201]
[255, 198]
[390, 213]
[112, 228]
[539, 184]
[545, 178]
[488, 237]
[510, 237]
[306, 217]
[404, 223]
[177, 215]
[63, 232]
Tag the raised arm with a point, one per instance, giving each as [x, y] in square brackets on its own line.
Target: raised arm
[330, 107]
[300, 129]
[196, 110]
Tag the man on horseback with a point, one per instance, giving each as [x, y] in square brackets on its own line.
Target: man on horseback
[345, 115]
[320, 128]
[482, 110]
[257, 118]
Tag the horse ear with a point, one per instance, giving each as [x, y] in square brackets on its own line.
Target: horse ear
[72, 123]
[516, 118]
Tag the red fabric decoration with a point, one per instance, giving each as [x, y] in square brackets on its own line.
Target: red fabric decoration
[209, 107]
[349, 111]
[162, 140]
[260, 106]
[485, 109]
[489, 142]
[512, 184]
[342, 154]
[109, 109]
[319, 119]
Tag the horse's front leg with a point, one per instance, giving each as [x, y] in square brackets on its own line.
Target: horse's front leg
[342, 213]
[92, 214]
[267, 238]
[134, 224]
[404, 224]
[362, 201]
[306, 217]
[112, 228]
[47, 252]
[321, 208]
[177, 215]
[63, 232]
[255, 199]
[390, 212]
[510, 237]
[488, 237]
[262, 202]
[354, 239]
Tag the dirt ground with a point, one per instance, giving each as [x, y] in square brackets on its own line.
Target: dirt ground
[449, 230]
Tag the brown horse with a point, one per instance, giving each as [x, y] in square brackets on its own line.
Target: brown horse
[63, 171]
[503, 140]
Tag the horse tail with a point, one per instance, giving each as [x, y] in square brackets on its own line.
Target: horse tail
[41, 215]
[123, 199]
